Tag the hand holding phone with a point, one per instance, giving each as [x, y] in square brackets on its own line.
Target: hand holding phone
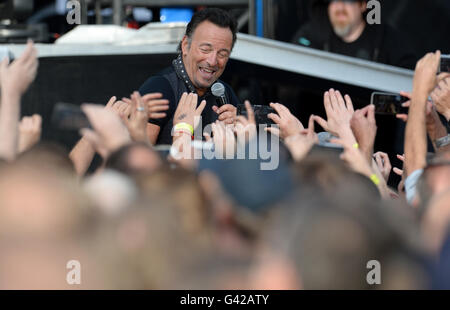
[260, 111]
[68, 116]
[389, 103]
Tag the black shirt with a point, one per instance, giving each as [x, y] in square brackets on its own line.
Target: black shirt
[380, 43]
[172, 86]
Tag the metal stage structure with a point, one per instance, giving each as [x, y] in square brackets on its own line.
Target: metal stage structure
[263, 52]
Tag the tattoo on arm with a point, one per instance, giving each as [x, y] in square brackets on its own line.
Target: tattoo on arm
[182, 117]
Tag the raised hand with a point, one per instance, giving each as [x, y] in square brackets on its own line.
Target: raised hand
[227, 113]
[425, 79]
[288, 124]
[109, 132]
[407, 104]
[224, 140]
[187, 110]
[435, 128]
[29, 132]
[245, 127]
[17, 77]
[399, 172]
[354, 158]
[156, 106]
[339, 112]
[121, 108]
[358, 163]
[300, 144]
[425, 76]
[441, 95]
[364, 128]
[137, 123]
[384, 164]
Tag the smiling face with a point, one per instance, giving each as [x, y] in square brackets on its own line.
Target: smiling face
[206, 54]
[345, 16]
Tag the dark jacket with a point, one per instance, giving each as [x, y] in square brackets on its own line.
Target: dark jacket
[172, 87]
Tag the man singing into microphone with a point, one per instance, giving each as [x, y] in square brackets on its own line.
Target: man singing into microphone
[204, 53]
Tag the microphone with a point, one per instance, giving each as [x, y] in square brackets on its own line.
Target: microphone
[218, 90]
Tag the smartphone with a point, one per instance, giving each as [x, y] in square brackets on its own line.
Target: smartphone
[388, 104]
[445, 64]
[68, 116]
[261, 112]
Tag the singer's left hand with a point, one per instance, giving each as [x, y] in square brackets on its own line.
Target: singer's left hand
[227, 113]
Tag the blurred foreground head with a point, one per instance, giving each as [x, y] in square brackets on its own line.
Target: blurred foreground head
[43, 222]
[167, 239]
[322, 170]
[436, 221]
[248, 185]
[327, 238]
[38, 194]
[134, 158]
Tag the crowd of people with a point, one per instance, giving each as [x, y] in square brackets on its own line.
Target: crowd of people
[156, 218]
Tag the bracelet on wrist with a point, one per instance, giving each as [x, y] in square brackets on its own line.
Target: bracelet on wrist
[184, 126]
[374, 178]
[442, 142]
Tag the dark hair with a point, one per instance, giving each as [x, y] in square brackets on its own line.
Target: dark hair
[216, 16]
[120, 159]
[48, 155]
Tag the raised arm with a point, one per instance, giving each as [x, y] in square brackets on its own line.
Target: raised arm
[441, 95]
[416, 132]
[83, 153]
[14, 81]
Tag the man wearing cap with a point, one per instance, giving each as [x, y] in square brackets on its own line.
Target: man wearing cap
[204, 53]
[339, 26]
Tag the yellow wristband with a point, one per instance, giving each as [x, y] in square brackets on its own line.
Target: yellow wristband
[375, 179]
[356, 146]
[186, 126]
